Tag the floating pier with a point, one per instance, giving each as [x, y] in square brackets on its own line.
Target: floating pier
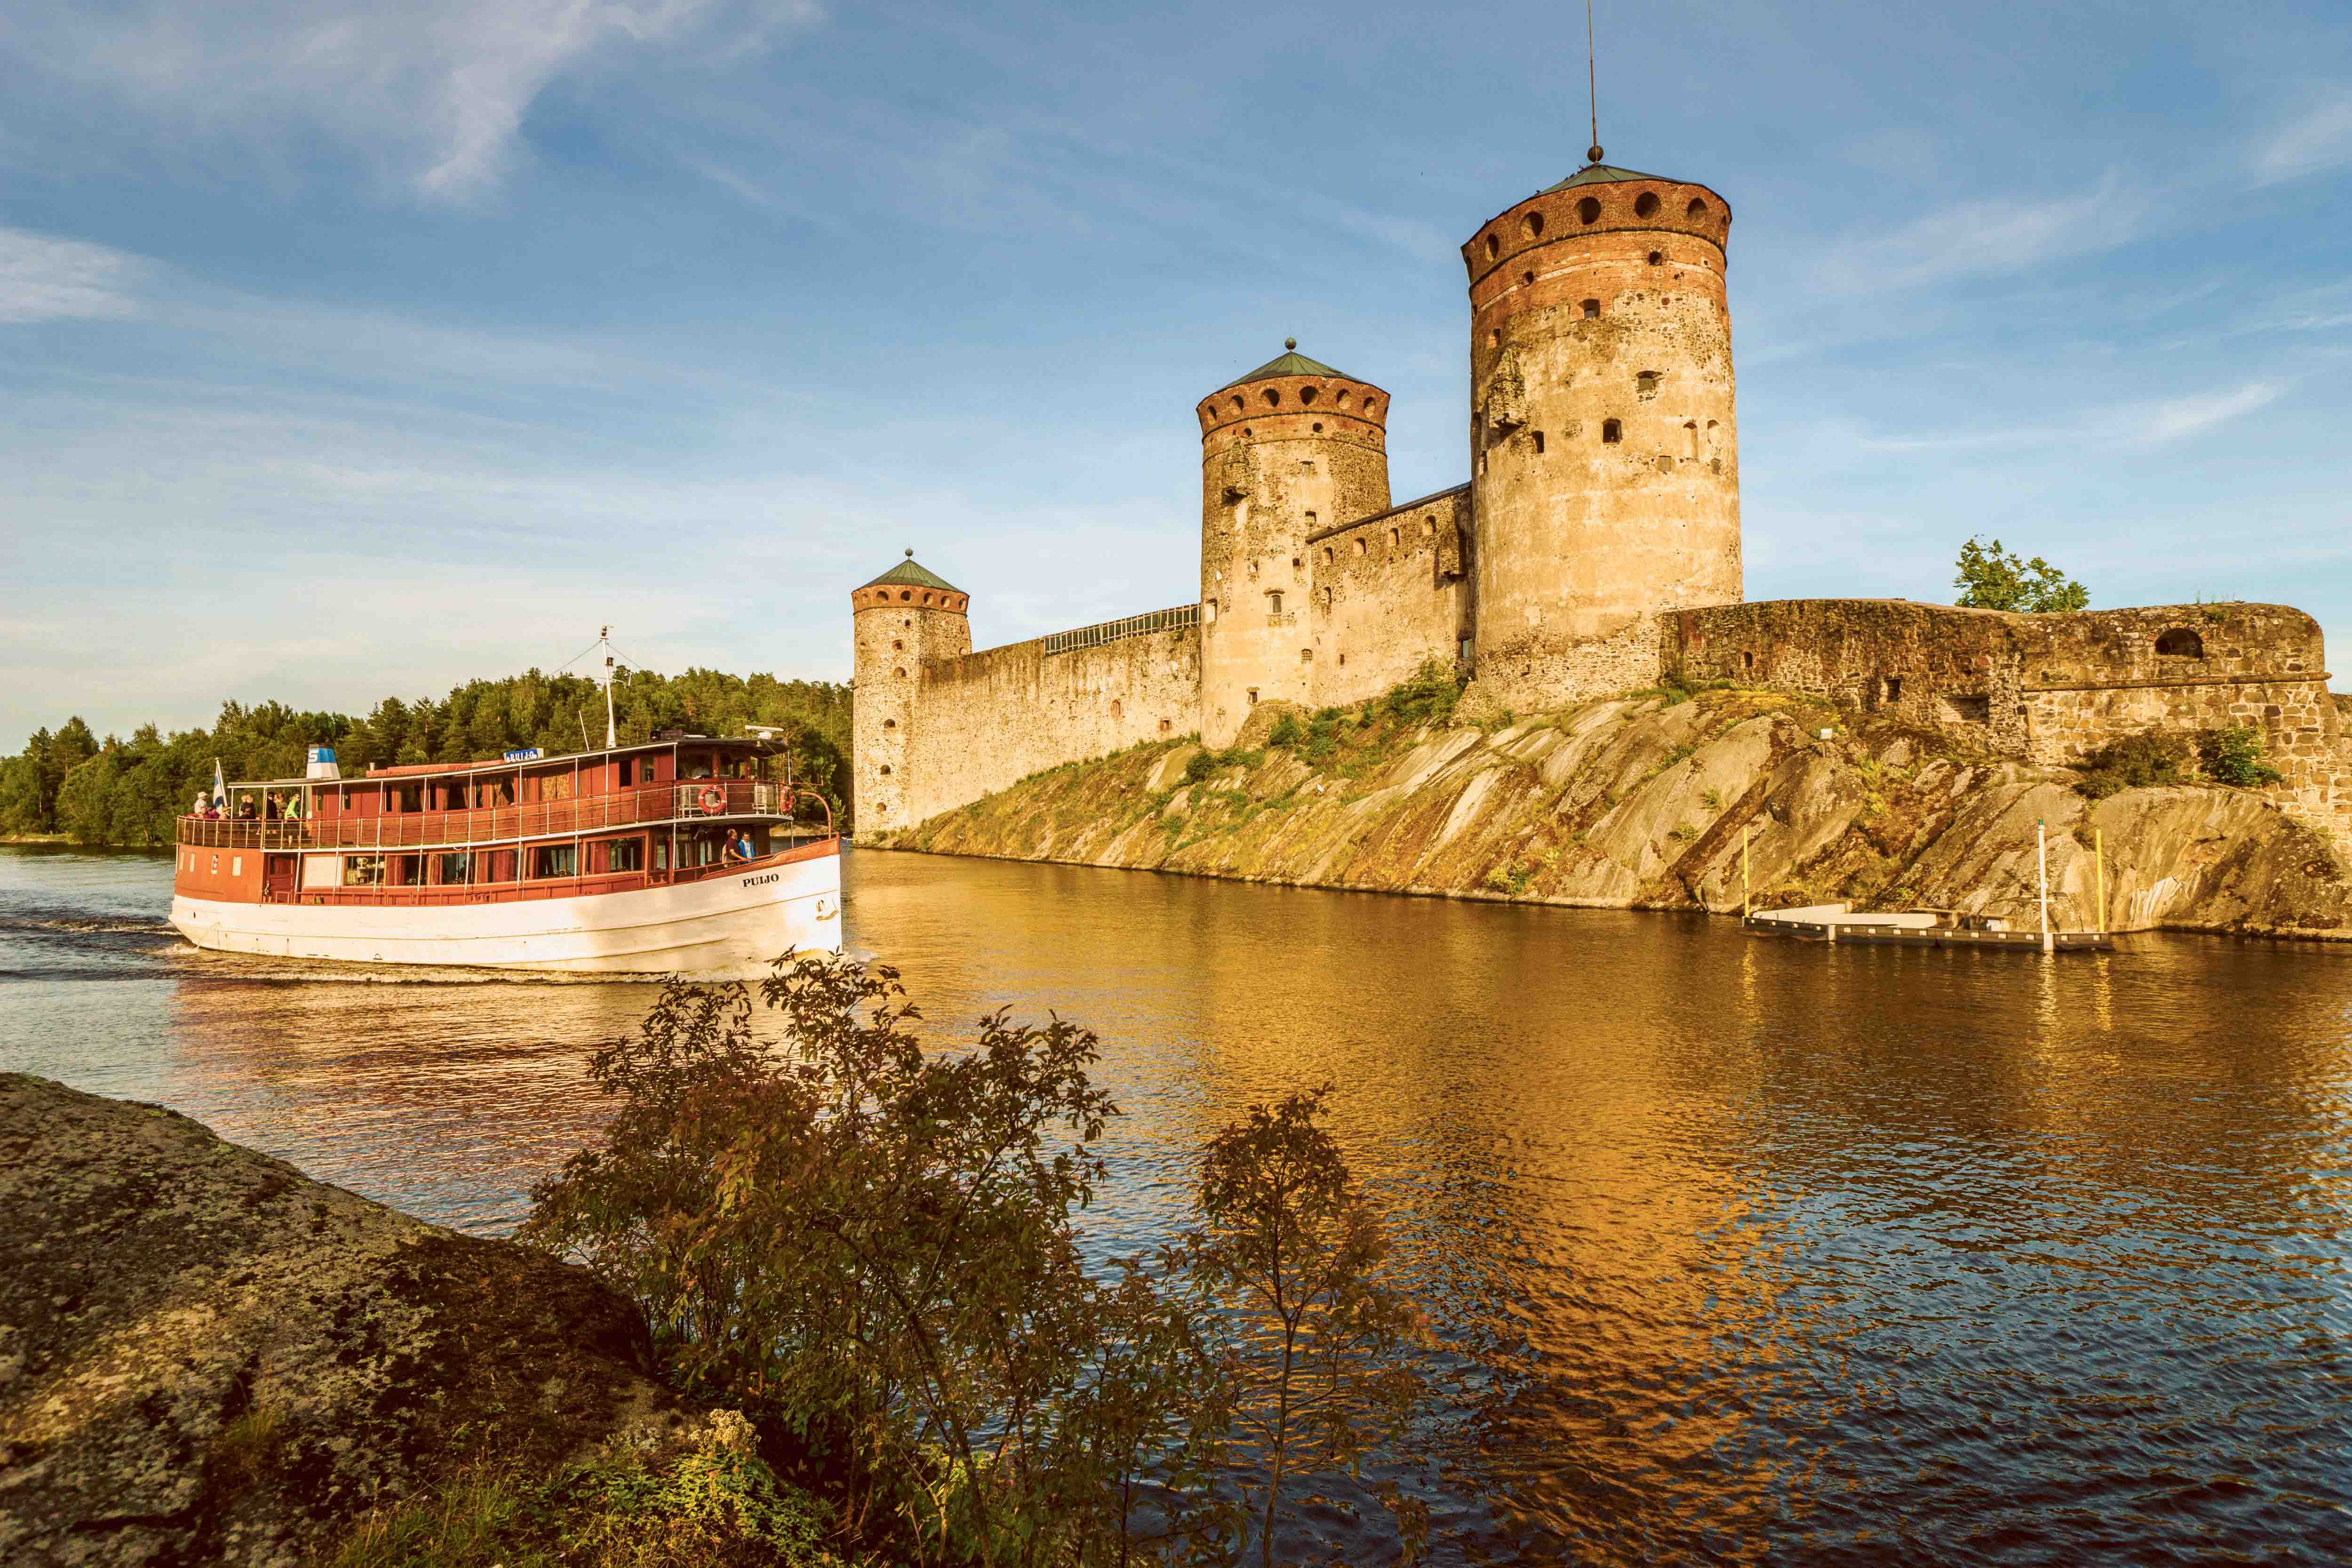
[1918, 928]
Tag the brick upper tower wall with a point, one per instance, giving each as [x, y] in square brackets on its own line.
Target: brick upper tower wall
[1604, 448]
[1282, 458]
[895, 630]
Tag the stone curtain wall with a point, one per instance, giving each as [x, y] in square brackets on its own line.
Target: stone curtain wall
[985, 719]
[2048, 689]
[1389, 591]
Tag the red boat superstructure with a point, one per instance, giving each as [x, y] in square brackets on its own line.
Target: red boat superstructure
[683, 855]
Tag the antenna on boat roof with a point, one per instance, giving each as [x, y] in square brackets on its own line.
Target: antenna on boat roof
[604, 637]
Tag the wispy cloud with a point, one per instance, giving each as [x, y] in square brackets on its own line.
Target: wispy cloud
[439, 87]
[43, 279]
[2153, 423]
[2320, 139]
[1987, 236]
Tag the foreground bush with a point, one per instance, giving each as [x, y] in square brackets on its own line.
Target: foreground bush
[872, 1251]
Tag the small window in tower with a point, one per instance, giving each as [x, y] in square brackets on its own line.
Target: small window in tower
[1238, 403]
[1296, 564]
[1429, 527]
[1645, 384]
[1253, 696]
[1327, 556]
[1539, 440]
[1612, 430]
[1343, 661]
[905, 594]
[890, 724]
[1666, 463]
[1894, 688]
[1656, 258]
[1360, 546]
[1341, 400]
[1392, 538]
[2180, 643]
[1526, 279]
[1307, 656]
[886, 770]
[1274, 397]
[1326, 598]
[1494, 337]
[1690, 440]
[898, 644]
[900, 673]
[1273, 602]
[1494, 248]
[1370, 407]
[1245, 431]
[1306, 395]
[1318, 428]
[1165, 726]
[1209, 612]
[1748, 662]
[1646, 205]
[1592, 310]
[1532, 224]
[1117, 711]
[1252, 566]
[1588, 209]
[1696, 209]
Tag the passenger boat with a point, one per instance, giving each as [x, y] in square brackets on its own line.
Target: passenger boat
[632, 860]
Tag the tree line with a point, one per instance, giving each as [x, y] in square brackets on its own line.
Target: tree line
[114, 791]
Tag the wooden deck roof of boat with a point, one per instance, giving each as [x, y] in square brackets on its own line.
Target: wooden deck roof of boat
[508, 766]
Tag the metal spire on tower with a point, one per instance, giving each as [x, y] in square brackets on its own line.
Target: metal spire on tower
[1591, 86]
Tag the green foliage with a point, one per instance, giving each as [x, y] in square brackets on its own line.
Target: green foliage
[2134, 761]
[129, 792]
[1286, 731]
[1991, 578]
[2234, 756]
[716, 1506]
[1321, 1370]
[1207, 764]
[873, 1249]
[1428, 697]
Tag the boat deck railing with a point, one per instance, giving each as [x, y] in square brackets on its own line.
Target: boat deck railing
[425, 896]
[709, 801]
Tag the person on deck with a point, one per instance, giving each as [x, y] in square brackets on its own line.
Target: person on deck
[245, 810]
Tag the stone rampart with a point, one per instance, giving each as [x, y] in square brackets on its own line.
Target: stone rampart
[983, 720]
[1391, 591]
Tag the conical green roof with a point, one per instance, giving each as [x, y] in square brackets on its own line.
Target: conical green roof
[907, 575]
[1604, 174]
[1289, 362]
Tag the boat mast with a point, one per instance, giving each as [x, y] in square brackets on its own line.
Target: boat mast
[604, 635]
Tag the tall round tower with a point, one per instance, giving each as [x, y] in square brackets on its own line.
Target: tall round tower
[1292, 447]
[1604, 458]
[903, 617]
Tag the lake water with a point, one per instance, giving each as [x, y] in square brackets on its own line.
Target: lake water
[1820, 1254]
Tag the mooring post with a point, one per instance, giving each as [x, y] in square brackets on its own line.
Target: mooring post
[2042, 854]
[1745, 902]
[2099, 860]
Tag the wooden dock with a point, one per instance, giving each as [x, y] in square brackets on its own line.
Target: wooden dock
[1817, 925]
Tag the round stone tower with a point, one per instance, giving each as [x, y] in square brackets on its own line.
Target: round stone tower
[1604, 458]
[1287, 450]
[903, 617]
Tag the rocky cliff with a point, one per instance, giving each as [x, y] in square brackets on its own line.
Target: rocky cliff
[206, 1357]
[1656, 801]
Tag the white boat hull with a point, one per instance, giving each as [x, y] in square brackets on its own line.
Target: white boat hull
[722, 927]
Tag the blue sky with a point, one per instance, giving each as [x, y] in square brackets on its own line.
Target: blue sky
[348, 349]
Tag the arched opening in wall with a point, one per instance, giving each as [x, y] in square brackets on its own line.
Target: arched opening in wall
[1310, 525]
[1613, 431]
[1307, 656]
[1532, 225]
[1894, 690]
[1253, 696]
[1327, 556]
[1239, 405]
[1326, 598]
[2180, 643]
[900, 673]
[1306, 396]
[1371, 407]
[1494, 337]
[1748, 662]
[1646, 205]
[1527, 279]
[898, 644]
[1360, 546]
[1657, 258]
[1494, 248]
[1253, 569]
[1318, 428]
[1274, 601]
[1589, 210]
[890, 724]
[886, 770]
[1645, 384]
[1711, 444]
[1429, 528]
[1392, 538]
[1117, 711]
[905, 594]
[1165, 726]
[1690, 440]
[1245, 431]
[1274, 397]
[1341, 400]
[1697, 208]
[1538, 438]
[1592, 310]
[1297, 563]
[1209, 612]
[1343, 661]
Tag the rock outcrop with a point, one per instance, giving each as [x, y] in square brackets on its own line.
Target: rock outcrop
[1644, 802]
[207, 1357]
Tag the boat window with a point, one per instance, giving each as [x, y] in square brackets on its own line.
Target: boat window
[453, 870]
[624, 855]
[363, 870]
[555, 860]
[555, 786]
[661, 854]
[697, 767]
[407, 870]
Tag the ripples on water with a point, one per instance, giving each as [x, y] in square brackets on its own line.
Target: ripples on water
[1820, 1254]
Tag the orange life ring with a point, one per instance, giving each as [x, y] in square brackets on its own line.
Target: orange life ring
[713, 800]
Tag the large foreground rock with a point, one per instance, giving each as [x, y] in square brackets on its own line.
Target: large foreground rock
[205, 1356]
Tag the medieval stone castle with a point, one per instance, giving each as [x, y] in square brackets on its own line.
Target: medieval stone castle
[1595, 550]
